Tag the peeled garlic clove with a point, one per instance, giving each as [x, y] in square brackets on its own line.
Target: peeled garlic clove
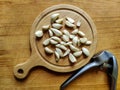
[39, 33]
[53, 42]
[72, 58]
[59, 20]
[56, 38]
[70, 19]
[78, 24]
[75, 31]
[69, 43]
[59, 51]
[77, 54]
[81, 33]
[56, 32]
[54, 17]
[78, 43]
[48, 50]
[58, 45]
[73, 48]
[50, 33]
[85, 51]
[66, 32]
[68, 24]
[88, 43]
[83, 40]
[75, 41]
[46, 42]
[56, 25]
[61, 47]
[46, 27]
[66, 52]
[57, 56]
[63, 43]
[65, 38]
[72, 36]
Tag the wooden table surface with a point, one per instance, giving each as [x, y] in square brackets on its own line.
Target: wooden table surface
[16, 18]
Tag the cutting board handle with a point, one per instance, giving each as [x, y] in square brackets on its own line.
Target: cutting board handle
[22, 70]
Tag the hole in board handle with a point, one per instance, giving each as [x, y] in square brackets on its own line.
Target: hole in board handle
[20, 71]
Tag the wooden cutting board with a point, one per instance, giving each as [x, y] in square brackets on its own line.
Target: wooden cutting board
[40, 58]
[16, 18]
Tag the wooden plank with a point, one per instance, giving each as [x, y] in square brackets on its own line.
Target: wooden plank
[16, 18]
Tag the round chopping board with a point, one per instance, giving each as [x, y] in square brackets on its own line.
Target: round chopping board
[40, 58]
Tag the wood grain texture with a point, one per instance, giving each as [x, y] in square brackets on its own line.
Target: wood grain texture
[16, 18]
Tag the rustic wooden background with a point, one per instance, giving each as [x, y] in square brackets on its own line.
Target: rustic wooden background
[16, 18]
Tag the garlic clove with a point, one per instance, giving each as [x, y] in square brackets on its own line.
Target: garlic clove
[77, 54]
[75, 31]
[54, 17]
[57, 26]
[46, 27]
[60, 21]
[48, 50]
[39, 33]
[81, 33]
[78, 24]
[72, 58]
[46, 42]
[83, 40]
[56, 32]
[68, 24]
[85, 51]
[65, 38]
[88, 43]
[70, 19]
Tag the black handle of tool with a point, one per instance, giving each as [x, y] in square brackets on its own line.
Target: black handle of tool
[79, 72]
[113, 72]
[113, 84]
